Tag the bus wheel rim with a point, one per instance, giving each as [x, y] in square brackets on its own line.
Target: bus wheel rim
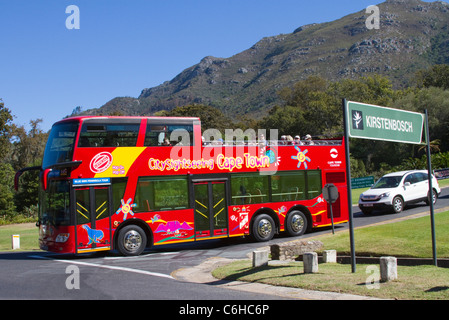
[297, 223]
[264, 228]
[132, 240]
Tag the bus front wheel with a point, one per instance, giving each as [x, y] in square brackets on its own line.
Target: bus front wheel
[131, 240]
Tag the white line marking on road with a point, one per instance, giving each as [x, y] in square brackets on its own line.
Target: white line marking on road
[148, 273]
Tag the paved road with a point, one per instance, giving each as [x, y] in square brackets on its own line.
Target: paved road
[40, 275]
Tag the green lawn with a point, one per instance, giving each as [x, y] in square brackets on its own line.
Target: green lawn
[28, 236]
[417, 283]
[410, 238]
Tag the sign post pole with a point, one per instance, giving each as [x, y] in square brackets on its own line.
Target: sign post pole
[348, 180]
[429, 169]
[330, 194]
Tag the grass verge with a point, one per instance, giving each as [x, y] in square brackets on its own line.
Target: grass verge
[414, 283]
[28, 236]
[410, 238]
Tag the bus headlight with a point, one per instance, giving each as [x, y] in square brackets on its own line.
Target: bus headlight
[62, 237]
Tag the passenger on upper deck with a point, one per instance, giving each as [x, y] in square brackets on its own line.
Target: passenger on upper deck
[166, 142]
[308, 139]
[297, 140]
[283, 141]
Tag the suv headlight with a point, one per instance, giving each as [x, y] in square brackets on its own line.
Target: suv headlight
[384, 195]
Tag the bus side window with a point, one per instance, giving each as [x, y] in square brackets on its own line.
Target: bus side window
[154, 134]
[108, 135]
[168, 135]
[161, 194]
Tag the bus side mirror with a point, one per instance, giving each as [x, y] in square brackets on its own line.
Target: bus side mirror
[44, 178]
[16, 180]
[20, 172]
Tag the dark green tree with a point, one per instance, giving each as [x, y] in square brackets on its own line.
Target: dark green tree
[437, 76]
[27, 147]
[5, 128]
[211, 118]
[7, 207]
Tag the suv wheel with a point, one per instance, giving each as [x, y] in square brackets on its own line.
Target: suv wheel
[434, 197]
[398, 204]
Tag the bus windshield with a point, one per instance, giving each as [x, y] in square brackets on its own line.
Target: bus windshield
[60, 144]
[54, 203]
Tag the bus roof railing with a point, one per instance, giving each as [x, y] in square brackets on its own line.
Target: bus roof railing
[254, 143]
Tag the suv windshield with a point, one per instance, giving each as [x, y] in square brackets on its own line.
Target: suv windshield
[60, 144]
[387, 182]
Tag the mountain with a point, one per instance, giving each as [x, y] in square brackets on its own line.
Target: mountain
[413, 35]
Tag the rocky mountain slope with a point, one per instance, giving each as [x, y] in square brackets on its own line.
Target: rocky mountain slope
[413, 35]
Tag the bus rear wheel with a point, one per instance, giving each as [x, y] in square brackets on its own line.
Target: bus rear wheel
[263, 228]
[296, 223]
[131, 240]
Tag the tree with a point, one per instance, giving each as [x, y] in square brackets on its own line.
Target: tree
[437, 76]
[313, 105]
[286, 119]
[211, 118]
[436, 101]
[376, 89]
[27, 150]
[303, 91]
[28, 194]
[5, 128]
[7, 206]
[308, 108]
[27, 147]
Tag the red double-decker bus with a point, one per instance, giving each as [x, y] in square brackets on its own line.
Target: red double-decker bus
[128, 183]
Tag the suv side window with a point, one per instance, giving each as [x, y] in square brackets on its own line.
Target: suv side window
[418, 177]
[409, 179]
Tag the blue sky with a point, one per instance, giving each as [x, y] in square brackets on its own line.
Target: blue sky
[122, 47]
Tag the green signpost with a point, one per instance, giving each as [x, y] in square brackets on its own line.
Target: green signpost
[358, 183]
[367, 121]
[380, 123]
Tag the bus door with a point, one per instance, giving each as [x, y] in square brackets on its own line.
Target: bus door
[211, 211]
[93, 218]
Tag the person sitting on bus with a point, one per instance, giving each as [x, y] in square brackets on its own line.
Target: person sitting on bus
[166, 142]
[297, 140]
[283, 141]
[308, 139]
[262, 141]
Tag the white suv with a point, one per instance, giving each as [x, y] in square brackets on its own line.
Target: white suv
[395, 190]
